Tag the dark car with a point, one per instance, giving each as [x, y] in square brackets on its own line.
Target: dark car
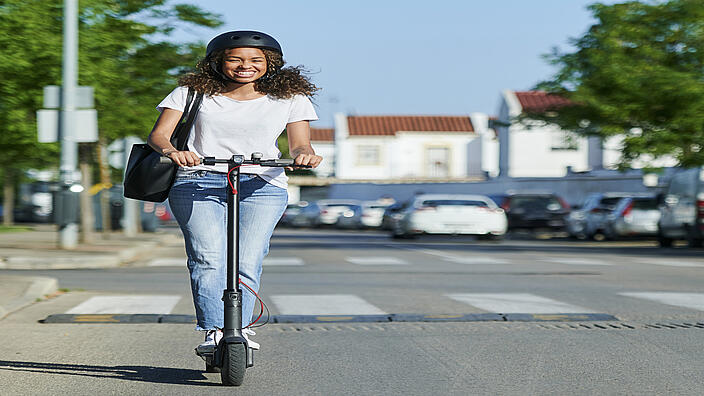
[392, 214]
[533, 211]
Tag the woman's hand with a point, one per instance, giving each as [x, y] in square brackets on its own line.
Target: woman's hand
[308, 159]
[183, 158]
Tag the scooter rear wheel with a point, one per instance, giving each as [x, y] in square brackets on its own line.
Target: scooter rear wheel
[234, 364]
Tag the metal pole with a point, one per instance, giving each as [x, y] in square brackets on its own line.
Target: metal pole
[68, 232]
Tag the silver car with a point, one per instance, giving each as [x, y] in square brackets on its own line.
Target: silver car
[682, 209]
[633, 216]
[588, 220]
[331, 209]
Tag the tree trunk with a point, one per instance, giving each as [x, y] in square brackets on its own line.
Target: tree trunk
[8, 207]
[87, 218]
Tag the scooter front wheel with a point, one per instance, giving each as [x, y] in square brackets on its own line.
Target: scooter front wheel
[234, 364]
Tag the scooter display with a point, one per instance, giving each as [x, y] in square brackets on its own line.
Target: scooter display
[232, 355]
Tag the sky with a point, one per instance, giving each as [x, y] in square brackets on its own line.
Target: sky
[409, 57]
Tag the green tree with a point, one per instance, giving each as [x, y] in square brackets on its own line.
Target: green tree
[638, 73]
[124, 53]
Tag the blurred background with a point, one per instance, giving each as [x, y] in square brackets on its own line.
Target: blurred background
[548, 118]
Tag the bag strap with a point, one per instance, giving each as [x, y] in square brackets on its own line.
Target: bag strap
[183, 128]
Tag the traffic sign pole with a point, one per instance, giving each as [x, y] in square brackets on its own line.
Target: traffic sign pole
[68, 229]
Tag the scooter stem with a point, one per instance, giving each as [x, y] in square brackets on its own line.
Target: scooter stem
[232, 296]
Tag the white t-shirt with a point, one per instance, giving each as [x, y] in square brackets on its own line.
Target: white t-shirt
[225, 127]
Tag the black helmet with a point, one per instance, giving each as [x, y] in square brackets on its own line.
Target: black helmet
[243, 38]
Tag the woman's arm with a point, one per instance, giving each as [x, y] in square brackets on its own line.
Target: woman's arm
[299, 144]
[160, 139]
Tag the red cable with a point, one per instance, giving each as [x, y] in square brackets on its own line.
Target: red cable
[261, 311]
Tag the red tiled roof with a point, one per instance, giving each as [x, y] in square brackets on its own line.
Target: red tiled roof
[322, 134]
[539, 101]
[389, 125]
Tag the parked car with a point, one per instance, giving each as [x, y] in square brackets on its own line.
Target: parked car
[330, 210]
[589, 219]
[533, 211]
[392, 214]
[300, 214]
[633, 216]
[350, 218]
[373, 213]
[682, 209]
[451, 214]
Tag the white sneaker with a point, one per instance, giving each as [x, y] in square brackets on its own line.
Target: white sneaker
[212, 337]
[252, 344]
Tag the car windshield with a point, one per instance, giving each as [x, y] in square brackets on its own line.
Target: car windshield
[453, 202]
[535, 203]
[609, 203]
[645, 203]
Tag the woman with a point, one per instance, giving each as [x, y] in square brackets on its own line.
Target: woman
[250, 98]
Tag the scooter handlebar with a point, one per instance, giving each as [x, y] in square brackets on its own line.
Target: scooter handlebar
[279, 162]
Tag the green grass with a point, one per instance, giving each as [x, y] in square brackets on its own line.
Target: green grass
[14, 228]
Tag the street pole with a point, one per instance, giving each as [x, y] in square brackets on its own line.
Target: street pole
[68, 232]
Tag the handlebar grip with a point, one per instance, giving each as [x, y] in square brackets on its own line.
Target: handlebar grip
[165, 160]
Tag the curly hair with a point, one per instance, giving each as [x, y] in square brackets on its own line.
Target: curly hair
[279, 82]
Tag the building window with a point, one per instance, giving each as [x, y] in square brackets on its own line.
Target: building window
[438, 161]
[368, 155]
[562, 141]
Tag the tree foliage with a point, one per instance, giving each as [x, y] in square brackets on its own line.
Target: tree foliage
[638, 73]
[120, 55]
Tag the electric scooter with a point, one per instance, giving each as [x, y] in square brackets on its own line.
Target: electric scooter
[232, 355]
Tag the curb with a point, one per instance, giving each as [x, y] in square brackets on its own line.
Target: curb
[92, 261]
[38, 288]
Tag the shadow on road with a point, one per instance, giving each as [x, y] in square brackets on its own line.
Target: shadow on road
[161, 375]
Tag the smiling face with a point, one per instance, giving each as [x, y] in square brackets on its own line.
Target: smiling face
[244, 65]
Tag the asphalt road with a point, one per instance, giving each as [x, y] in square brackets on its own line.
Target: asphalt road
[545, 294]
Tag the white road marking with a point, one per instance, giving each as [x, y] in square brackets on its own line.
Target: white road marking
[158, 304]
[669, 262]
[575, 261]
[516, 303]
[477, 260]
[282, 261]
[323, 304]
[462, 259]
[376, 261]
[168, 262]
[687, 300]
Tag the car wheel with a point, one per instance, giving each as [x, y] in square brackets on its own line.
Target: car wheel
[692, 240]
[664, 241]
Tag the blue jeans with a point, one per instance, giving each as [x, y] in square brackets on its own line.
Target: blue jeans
[199, 203]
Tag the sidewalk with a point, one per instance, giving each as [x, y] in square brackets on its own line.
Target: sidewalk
[37, 250]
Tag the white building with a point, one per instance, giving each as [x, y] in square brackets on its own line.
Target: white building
[323, 142]
[546, 150]
[407, 147]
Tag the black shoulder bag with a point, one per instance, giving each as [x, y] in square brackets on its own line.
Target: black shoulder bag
[146, 178]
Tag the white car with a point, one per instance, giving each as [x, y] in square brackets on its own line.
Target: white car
[452, 214]
[373, 213]
[331, 209]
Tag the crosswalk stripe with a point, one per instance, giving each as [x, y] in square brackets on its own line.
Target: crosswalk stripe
[477, 260]
[463, 259]
[168, 262]
[376, 261]
[323, 304]
[135, 304]
[283, 261]
[671, 263]
[575, 261]
[686, 300]
[516, 303]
